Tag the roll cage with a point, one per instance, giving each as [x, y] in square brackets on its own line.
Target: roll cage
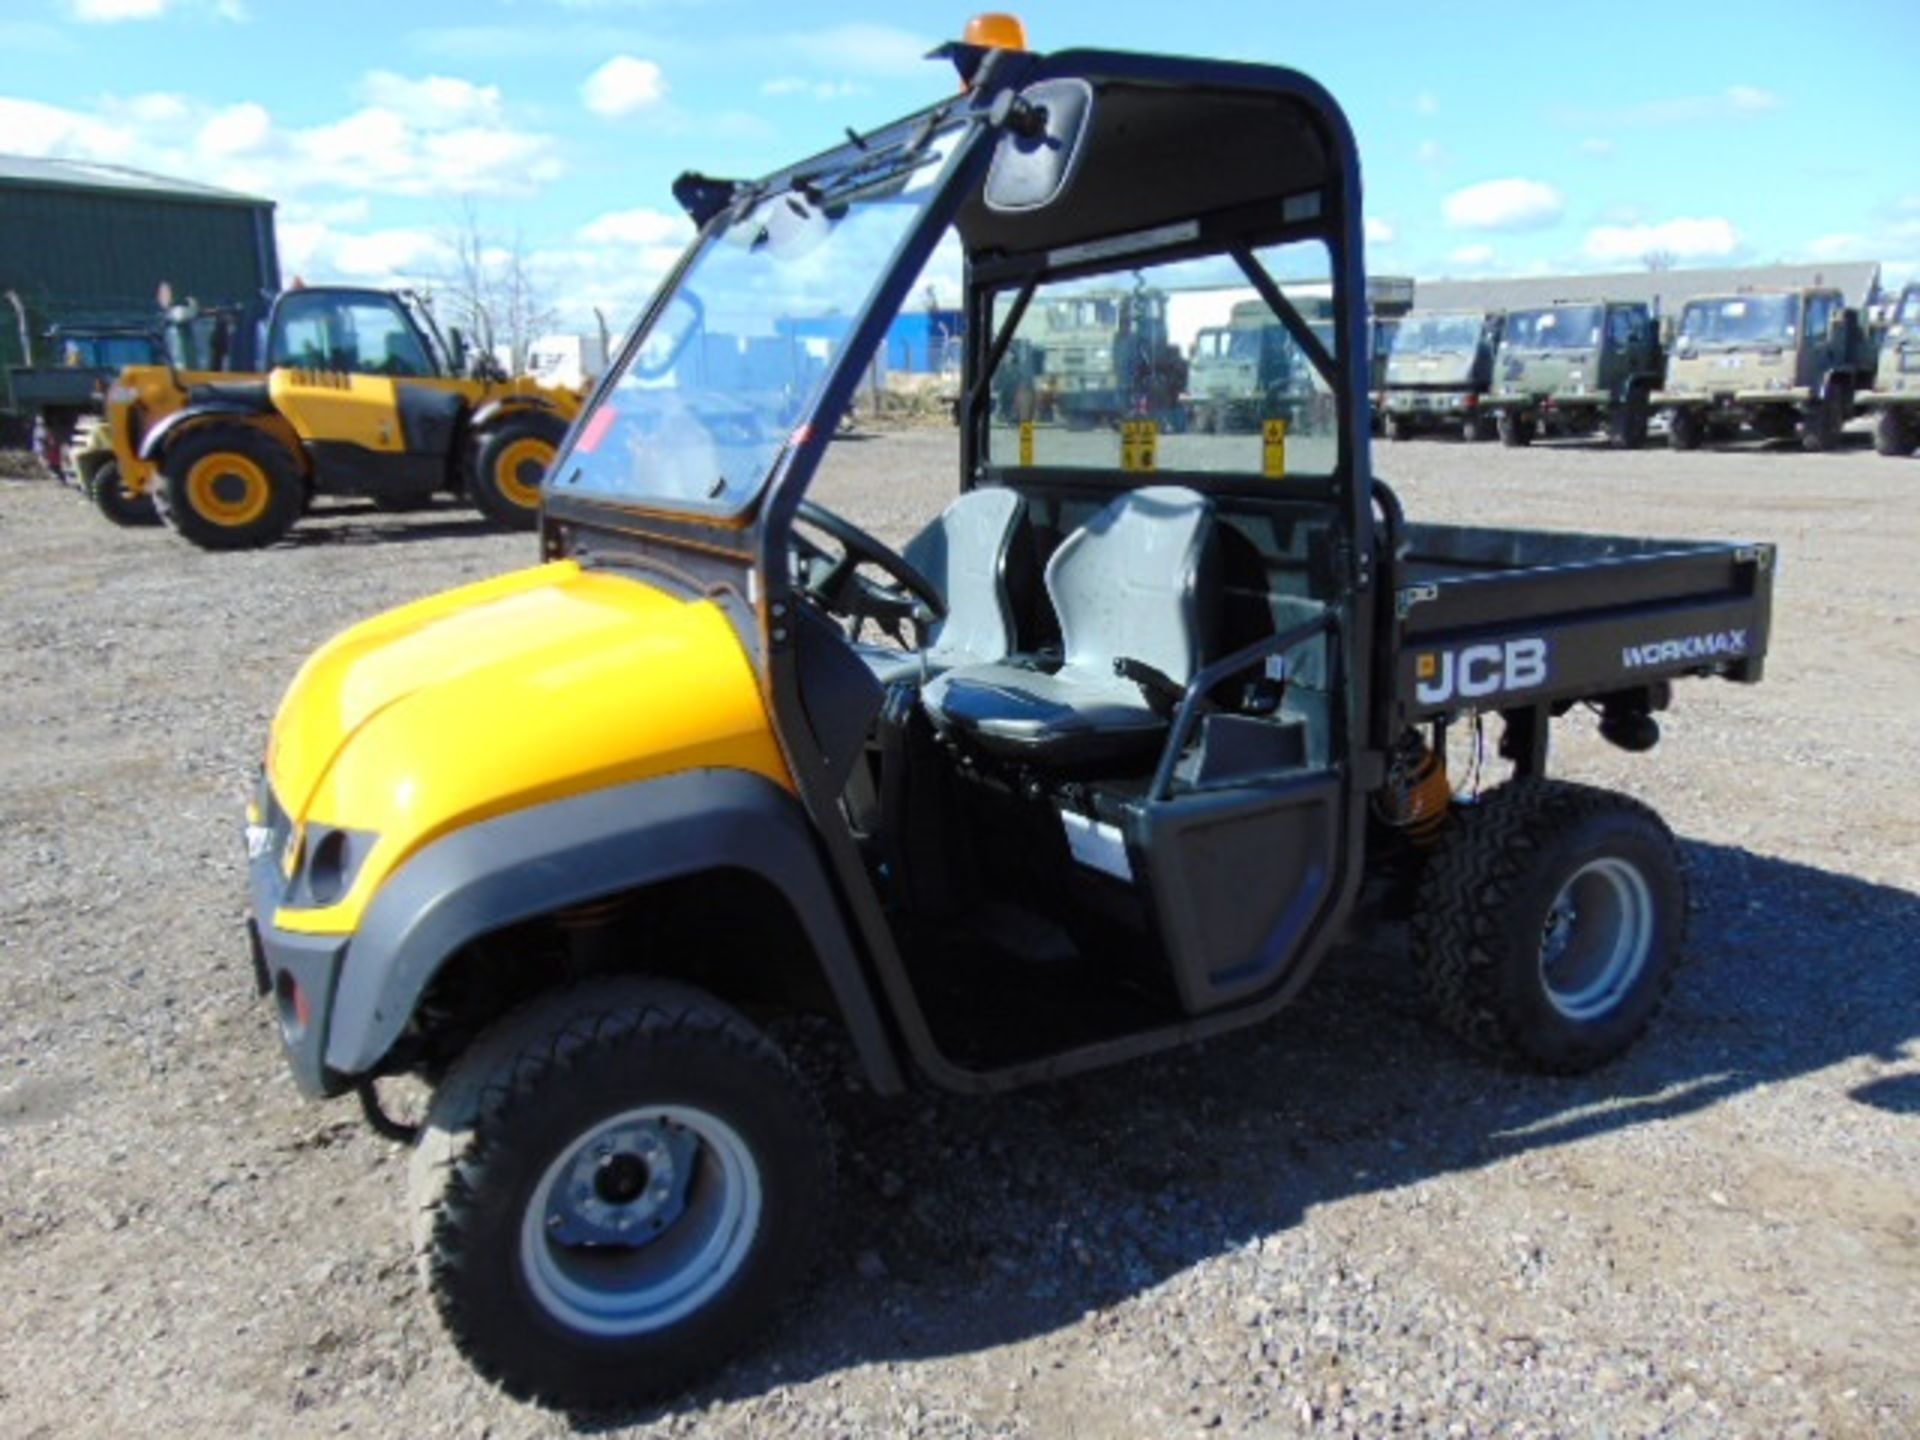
[1175, 159]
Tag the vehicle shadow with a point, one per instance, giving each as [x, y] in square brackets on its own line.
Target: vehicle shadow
[972, 1223]
[365, 525]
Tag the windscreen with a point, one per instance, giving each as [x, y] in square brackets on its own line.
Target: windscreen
[1564, 327]
[1437, 334]
[706, 399]
[1741, 319]
[1910, 308]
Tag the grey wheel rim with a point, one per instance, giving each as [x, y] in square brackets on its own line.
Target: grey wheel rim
[641, 1221]
[1596, 938]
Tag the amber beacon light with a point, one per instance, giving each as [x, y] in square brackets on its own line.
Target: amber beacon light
[996, 30]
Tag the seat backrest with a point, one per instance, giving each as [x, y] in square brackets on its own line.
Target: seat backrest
[972, 551]
[1130, 583]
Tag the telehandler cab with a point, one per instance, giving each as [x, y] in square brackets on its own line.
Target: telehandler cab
[1170, 706]
[363, 396]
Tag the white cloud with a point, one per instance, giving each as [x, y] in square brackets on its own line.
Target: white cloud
[112, 12]
[1504, 205]
[1838, 246]
[1685, 239]
[623, 85]
[237, 130]
[816, 89]
[1736, 102]
[108, 12]
[433, 101]
[1379, 232]
[638, 227]
[864, 49]
[460, 146]
[1471, 255]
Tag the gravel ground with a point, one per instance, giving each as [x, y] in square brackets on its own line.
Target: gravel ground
[1338, 1223]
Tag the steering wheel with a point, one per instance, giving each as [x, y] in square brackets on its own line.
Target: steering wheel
[834, 583]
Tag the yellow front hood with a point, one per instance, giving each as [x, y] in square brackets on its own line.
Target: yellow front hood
[537, 685]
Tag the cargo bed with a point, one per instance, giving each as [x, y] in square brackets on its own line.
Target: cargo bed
[1492, 619]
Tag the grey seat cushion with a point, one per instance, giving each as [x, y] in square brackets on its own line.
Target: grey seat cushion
[1065, 718]
[1127, 584]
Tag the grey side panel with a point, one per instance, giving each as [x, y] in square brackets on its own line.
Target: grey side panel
[529, 863]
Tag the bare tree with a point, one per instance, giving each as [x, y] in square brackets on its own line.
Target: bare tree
[489, 289]
[1658, 260]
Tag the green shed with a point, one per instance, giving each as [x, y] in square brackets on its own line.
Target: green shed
[83, 242]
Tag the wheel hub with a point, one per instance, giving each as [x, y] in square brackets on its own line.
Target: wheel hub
[1596, 938]
[624, 1187]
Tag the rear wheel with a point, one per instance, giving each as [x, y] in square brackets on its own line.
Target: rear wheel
[1896, 432]
[1825, 418]
[1515, 429]
[509, 466]
[1399, 427]
[1686, 428]
[1627, 421]
[1550, 923]
[1476, 427]
[614, 1189]
[229, 487]
[112, 499]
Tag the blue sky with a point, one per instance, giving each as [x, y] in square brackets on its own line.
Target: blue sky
[1498, 139]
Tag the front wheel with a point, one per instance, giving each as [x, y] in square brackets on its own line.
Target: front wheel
[614, 1189]
[113, 499]
[1686, 429]
[230, 487]
[509, 466]
[1550, 923]
[1896, 432]
[1515, 429]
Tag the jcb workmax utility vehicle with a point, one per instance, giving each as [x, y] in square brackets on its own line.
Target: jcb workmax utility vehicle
[1779, 360]
[1576, 369]
[1439, 370]
[363, 396]
[1894, 399]
[1170, 706]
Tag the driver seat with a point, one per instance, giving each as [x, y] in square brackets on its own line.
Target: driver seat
[1132, 584]
[978, 553]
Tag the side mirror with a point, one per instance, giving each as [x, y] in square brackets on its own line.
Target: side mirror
[457, 349]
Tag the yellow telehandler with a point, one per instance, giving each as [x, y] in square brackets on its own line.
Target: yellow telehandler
[362, 396]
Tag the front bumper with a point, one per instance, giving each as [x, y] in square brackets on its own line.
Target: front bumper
[1674, 399]
[1431, 402]
[299, 973]
[1874, 399]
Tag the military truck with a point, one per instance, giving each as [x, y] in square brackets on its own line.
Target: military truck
[1779, 361]
[1249, 369]
[1576, 368]
[1894, 399]
[1439, 370]
[1101, 356]
[1157, 739]
[1380, 332]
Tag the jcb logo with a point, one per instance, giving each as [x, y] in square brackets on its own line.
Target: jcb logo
[1477, 671]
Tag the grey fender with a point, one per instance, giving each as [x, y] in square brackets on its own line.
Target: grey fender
[532, 862]
[155, 440]
[506, 405]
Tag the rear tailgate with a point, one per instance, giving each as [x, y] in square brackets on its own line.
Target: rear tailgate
[1493, 619]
